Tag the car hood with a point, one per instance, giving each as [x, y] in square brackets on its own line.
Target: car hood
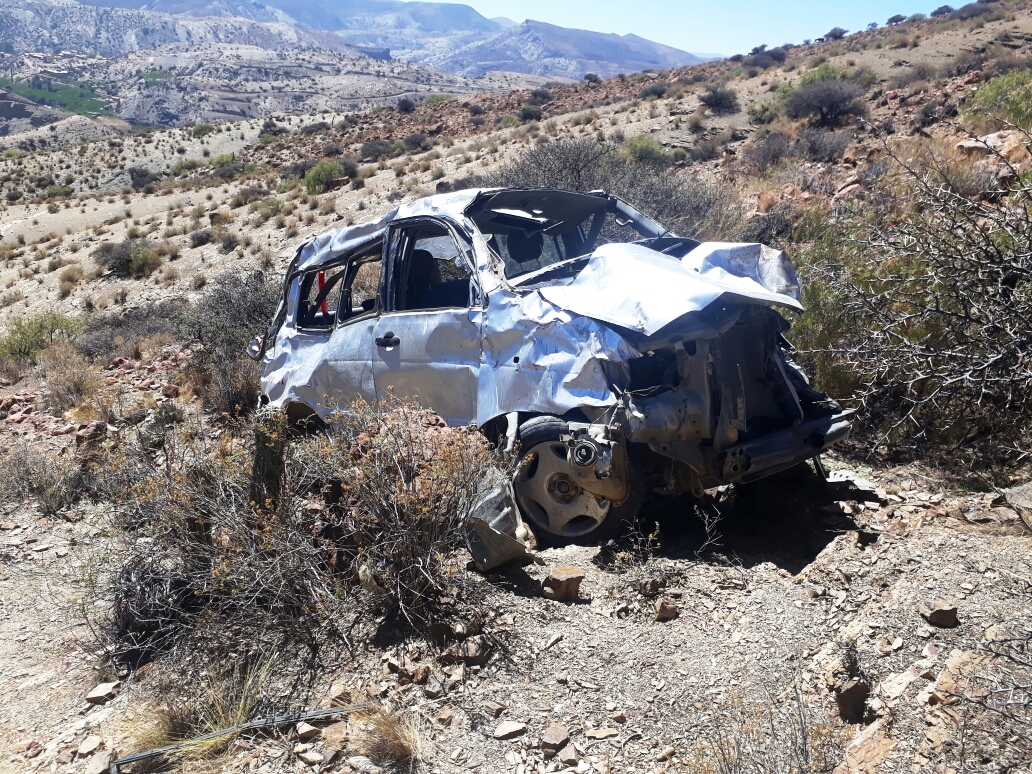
[637, 288]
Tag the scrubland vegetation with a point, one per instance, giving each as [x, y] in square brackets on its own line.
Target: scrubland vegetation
[243, 556]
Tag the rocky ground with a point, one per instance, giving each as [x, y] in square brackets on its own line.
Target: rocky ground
[625, 657]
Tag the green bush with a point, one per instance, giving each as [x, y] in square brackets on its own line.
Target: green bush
[436, 99]
[28, 337]
[56, 191]
[764, 112]
[185, 165]
[644, 148]
[222, 160]
[1008, 97]
[828, 101]
[131, 258]
[318, 178]
[530, 113]
[202, 130]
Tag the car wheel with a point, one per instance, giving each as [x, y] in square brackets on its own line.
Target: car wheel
[550, 500]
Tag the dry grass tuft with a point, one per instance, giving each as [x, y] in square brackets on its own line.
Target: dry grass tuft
[386, 739]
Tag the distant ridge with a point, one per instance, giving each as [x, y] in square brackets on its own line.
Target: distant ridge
[538, 48]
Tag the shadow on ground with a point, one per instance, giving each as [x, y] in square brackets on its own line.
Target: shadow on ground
[787, 519]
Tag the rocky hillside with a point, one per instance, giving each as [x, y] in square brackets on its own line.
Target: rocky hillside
[545, 49]
[450, 36]
[63, 25]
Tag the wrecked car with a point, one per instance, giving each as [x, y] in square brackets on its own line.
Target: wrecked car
[617, 357]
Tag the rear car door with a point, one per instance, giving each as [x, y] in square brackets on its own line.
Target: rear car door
[337, 307]
[427, 340]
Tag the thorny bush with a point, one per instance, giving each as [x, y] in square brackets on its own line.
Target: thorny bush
[367, 518]
[925, 311]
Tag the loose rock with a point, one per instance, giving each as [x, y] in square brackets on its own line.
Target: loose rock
[555, 737]
[102, 693]
[510, 729]
[666, 609]
[938, 613]
[563, 583]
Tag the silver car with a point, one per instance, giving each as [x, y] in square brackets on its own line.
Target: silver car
[616, 356]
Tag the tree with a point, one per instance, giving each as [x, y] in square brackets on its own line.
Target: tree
[592, 78]
[829, 101]
[872, 26]
[835, 33]
[941, 11]
[405, 105]
[894, 20]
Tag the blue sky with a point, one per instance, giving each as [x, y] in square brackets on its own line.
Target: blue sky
[722, 27]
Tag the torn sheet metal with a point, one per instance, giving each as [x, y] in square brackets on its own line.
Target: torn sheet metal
[495, 533]
[637, 288]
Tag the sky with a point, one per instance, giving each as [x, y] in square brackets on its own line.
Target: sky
[724, 27]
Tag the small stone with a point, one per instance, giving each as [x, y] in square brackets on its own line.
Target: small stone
[601, 733]
[434, 688]
[938, 613]
[339, 695]
[583, 767]
[666, 609]
[665, 754]
[362, 764]
[619, 717]
[852, 699]
[563, 583]
[568, 755]
[494, 708]
[90, 745]
[444, 716]
[102, 693]
[99, 764]
[307, 731]
[650, 587]
[510, 729]
[336, 735]
[420, 675]
[66, 756]
[170, 390]
[311, 757]
[475, 650]
[555, 737]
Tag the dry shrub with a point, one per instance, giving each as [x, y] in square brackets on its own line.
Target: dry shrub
[776, 737]
[55, 481]
[989, 715]
[687, 204]
[387, 739]
[365, 515]
[69, 378]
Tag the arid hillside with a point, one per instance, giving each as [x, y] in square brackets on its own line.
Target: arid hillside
[155, 589]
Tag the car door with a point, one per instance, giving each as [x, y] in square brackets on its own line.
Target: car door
[427, 341]
[337, 310]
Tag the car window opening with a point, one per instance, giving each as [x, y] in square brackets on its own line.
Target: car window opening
[434, 270]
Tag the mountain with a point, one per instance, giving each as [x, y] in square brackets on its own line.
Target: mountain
[51, 26]
[410, 30]
[544, 49]
[449, 36]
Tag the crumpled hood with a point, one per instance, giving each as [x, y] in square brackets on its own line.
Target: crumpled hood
[637, 288]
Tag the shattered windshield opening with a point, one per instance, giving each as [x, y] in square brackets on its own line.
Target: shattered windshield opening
[531, 230]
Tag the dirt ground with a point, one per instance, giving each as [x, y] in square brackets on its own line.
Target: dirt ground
[801, 572]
